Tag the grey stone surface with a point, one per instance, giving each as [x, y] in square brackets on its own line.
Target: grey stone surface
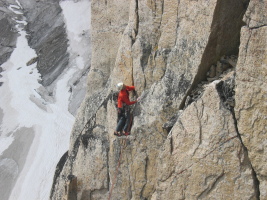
[165, 49]
[206, 159]
[47, 36]
[8, 32]
[211, 148]
[251, 93]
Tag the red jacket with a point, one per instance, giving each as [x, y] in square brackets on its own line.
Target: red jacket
[124, 97]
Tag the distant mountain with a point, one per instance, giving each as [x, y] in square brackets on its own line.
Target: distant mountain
[45, 55]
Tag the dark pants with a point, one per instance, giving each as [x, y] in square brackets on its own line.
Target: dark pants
[124, 120]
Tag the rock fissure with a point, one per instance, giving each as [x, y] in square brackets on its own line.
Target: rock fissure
[160, 23]
[135, 27]
[211, 187]
[226, 91]
[162, 11]
[169, 175]
[254, 175]
[145, 178]
[200, 129]
[129, 175]
[261, 24]
[219, 42]
[137, 18]
[220, 144]
[171, 144]
[247, 45]
[130, 170]
[257, 27]
[222, 69]
[177, 25]
[108, 171]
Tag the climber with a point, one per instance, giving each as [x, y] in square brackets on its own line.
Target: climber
[124, 115]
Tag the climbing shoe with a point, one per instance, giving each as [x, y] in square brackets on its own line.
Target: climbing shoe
[117, 134]
[126, 133]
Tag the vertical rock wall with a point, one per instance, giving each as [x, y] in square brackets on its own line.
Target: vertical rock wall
[203, 157]
[175, 151]
[109, 19]
[251, 92]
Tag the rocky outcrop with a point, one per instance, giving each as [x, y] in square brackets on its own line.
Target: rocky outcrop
[8, 32]
[251, 93]
[47, 36]
[178, 148]
[203, 157]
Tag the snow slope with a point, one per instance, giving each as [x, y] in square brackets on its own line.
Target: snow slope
[34, 134]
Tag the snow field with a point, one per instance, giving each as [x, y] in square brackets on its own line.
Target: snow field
[51, 126]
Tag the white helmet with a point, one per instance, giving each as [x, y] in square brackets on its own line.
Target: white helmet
[119, 86]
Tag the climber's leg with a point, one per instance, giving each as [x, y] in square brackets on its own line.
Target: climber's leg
[120, 122]
[128, 124]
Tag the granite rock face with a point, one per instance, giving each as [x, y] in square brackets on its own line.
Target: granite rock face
[251, 93]
[109, 19]
[178, 149]
[203, 157]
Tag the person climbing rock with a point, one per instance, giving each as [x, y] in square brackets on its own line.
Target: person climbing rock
[125, 118]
